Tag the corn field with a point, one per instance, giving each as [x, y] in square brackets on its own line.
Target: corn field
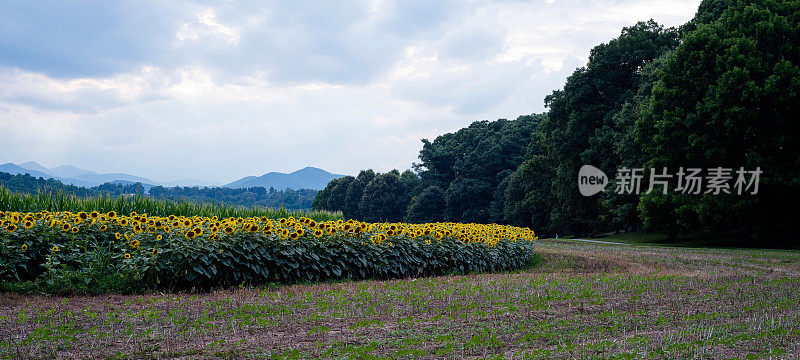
[60, 201]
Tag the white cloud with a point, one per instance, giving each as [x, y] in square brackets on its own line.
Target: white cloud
[239, 89]
[207, 27]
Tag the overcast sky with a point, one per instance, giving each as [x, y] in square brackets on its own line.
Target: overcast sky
[217, 91]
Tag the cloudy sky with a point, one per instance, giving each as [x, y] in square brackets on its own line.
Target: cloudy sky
[174, 89]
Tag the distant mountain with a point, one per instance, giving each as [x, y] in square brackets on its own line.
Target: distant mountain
[305, 178]
[75, 176]
[69, 171]
[69, 174]
[32, 165]
[15, 169]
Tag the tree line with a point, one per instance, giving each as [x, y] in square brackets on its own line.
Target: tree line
[721, 91]
[254, 196]
[457, 178]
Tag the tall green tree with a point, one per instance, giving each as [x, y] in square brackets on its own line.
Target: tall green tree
[466, 163]
[339, 192]
[428, 206]
[354, 193]
[528, 198]
[412, 181]
[580, 127]
[321, 199]
[331, 198]
[729, 97]
[496, 214]
[620, 211]
[385, 199]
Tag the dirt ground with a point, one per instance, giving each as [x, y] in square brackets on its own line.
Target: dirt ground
[584, 301]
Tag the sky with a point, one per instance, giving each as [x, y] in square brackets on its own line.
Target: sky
[220, 90]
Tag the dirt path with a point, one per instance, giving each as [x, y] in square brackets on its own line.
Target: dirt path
[592, 241]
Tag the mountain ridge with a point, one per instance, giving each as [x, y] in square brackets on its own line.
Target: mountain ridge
[306, 178]
[16, 170]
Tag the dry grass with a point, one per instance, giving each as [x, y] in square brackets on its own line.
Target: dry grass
[585, 301]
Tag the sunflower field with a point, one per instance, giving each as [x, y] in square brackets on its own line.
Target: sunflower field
[183, 252]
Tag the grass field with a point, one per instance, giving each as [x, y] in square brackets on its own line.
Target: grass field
[582, 301]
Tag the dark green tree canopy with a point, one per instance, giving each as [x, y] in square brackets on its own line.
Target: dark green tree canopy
[466, 164]
[428, 206]
[729, 96]
[582, 115]
[722, 90]
[354, 192]
[385, 198]
[412, 181]
[338, 193]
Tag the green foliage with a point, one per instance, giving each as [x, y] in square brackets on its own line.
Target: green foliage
[428, 206]
[496, 209]
[338, 193]
[620, 211]
[370, 197]
[25, 183]
[255, 196]
[321, 199]
[75, 282]
[722, 90]
[355, 191]
[95, 259]
[61, 201]
[728, 97]
[528, 200]
[286, 261]
[708, 12]
[667, 213]
[466, 163]
[580, 127]
[412, 181]
[385, 199]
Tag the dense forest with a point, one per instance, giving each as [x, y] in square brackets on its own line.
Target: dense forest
[456, 179]
[721, 91]
[24, 183]
[254, 196]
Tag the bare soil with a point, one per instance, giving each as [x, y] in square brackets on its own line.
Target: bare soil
[584, 301]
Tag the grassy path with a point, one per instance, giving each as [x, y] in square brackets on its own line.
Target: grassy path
[585, 301]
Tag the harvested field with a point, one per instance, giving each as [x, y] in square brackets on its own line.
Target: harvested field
[583, 301]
